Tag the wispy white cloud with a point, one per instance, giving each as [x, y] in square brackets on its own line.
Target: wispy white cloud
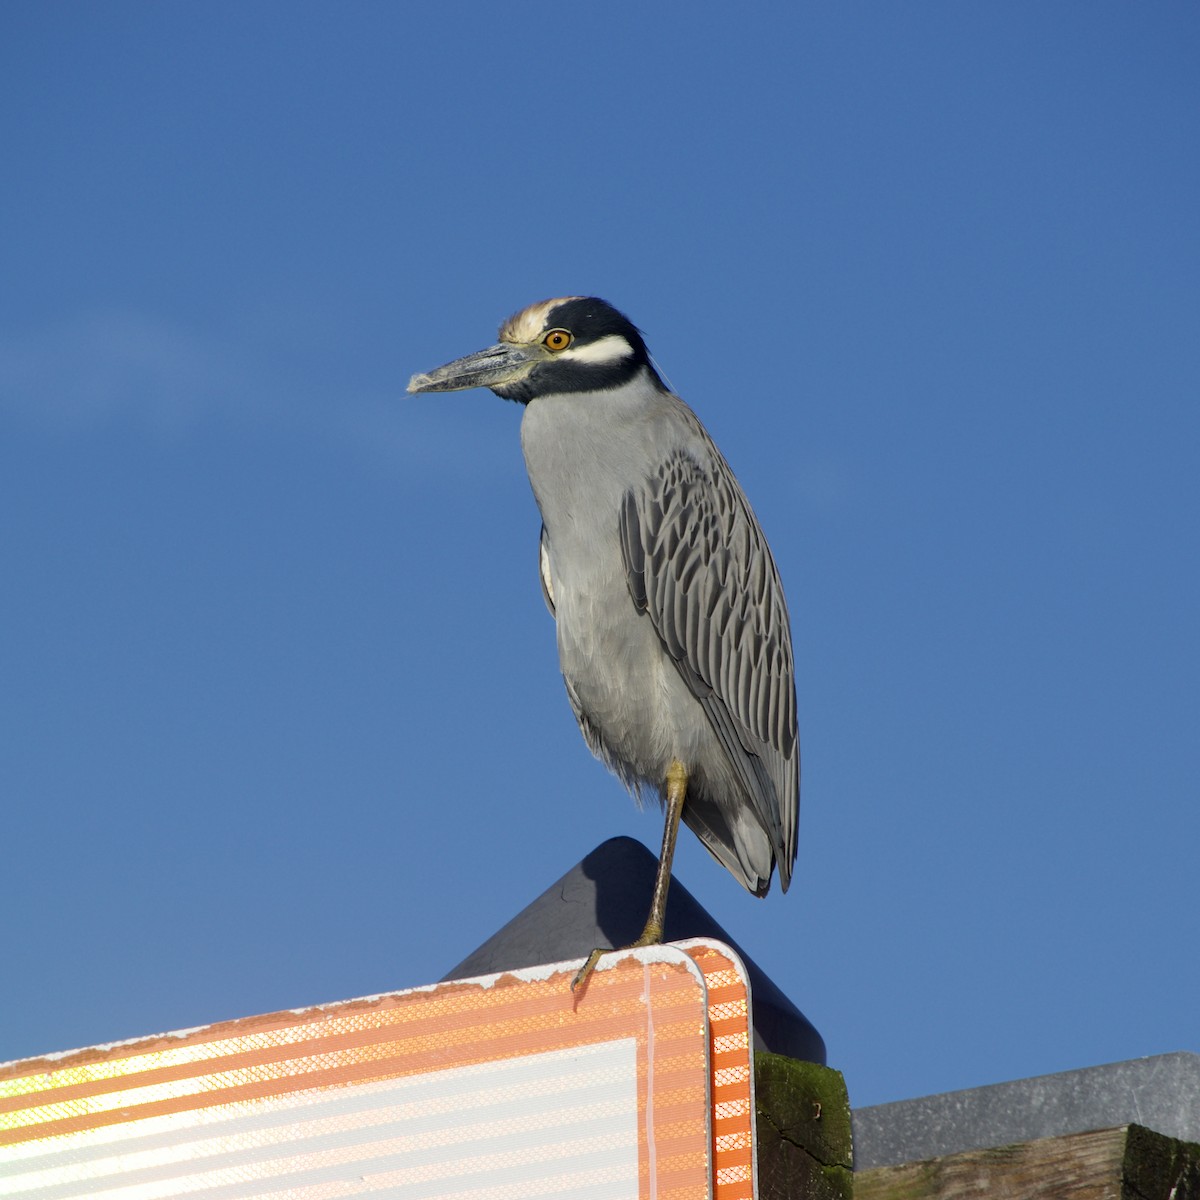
[113, 365]
[108, 367]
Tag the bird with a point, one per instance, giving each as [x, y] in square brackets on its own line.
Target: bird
[673, 633]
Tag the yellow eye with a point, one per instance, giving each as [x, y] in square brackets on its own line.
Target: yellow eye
[557, 339]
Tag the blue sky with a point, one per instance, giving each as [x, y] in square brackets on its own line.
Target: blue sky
[281, 720]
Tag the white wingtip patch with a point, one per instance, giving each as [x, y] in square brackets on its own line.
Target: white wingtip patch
[544, 570]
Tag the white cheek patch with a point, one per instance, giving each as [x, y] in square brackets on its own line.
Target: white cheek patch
[608, 349]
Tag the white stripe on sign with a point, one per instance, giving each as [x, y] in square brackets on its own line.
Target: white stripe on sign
[559, 1124]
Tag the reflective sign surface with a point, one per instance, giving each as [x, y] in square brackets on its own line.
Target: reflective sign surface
[506, 1086]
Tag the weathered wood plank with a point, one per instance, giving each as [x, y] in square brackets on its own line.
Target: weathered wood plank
[803, 1127]
[1127, 1163]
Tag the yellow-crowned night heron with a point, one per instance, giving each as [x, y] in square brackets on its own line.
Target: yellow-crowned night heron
[672, 628]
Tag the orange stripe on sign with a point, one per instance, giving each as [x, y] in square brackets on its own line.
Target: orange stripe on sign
[653, 1000]
[464, 1084]
[732, 1085]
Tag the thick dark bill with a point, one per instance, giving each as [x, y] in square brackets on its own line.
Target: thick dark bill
[502, 363]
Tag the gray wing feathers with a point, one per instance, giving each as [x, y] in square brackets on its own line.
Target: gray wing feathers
[698, 564]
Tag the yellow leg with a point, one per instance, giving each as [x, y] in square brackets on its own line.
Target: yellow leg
[652, 934]
[677, 779]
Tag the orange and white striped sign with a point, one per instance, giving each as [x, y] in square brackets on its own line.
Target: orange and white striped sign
[506, 1086]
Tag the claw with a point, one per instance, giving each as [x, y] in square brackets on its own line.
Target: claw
[584, 972]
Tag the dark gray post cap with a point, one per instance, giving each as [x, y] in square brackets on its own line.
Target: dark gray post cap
[602, 901]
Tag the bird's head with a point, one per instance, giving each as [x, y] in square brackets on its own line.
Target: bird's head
[572, 344]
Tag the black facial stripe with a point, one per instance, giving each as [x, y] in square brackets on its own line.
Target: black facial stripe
[591, 319]
[566, 376]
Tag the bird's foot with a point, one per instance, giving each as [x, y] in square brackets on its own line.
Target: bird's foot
[652, 935]
[584, 972]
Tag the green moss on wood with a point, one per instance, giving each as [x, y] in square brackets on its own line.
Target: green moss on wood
[803, 1114]
[1158, 1166]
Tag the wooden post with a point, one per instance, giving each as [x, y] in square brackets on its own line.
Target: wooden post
[803, 1127]
[1127, 1163]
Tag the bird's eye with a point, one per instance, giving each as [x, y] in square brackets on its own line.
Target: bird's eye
[557, 339]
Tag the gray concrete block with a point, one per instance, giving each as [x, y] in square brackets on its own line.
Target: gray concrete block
[1161, 1093]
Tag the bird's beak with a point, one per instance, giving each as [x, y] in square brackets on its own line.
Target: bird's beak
[506, 362]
